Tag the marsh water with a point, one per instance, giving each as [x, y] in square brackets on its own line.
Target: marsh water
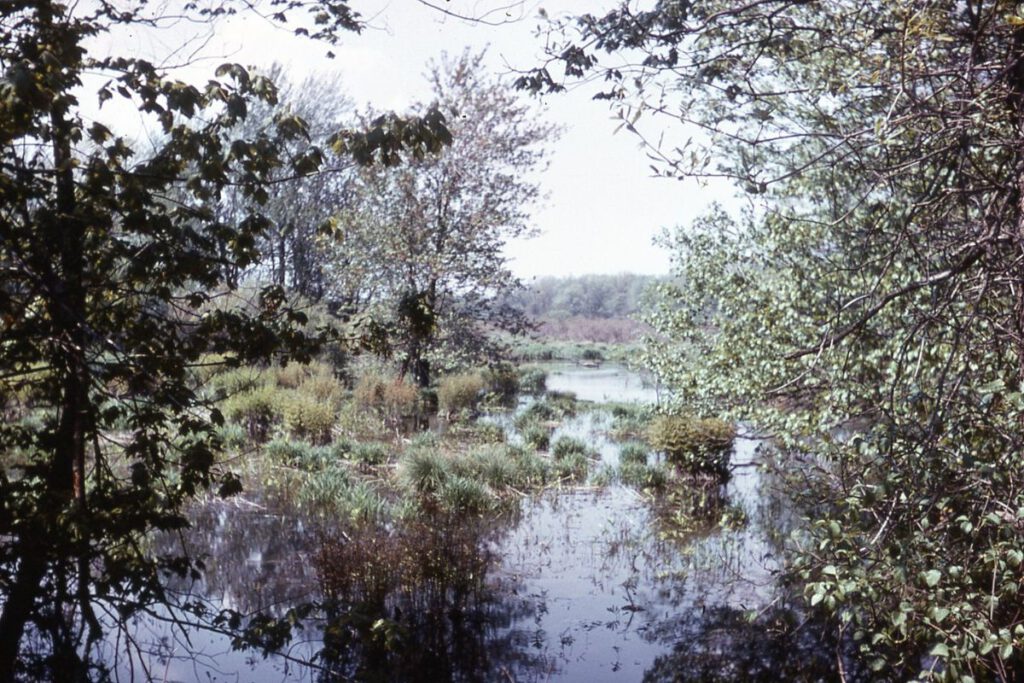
[585, 583]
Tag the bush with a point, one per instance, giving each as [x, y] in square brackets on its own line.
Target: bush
[532, 380]
[461, 392]
[257, 411]
[391, 398]
[502, 382]
[694, 445]
[307, 418]
[592, 355]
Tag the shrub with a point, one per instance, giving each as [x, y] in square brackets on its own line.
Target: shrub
[592, 355]
[532, 380]
[400, 398]
[307, 418]
[633, 452]
[694, 445]
[461, 392]
[502, 382]
[257, 411]
[325, 389]
[369, 391]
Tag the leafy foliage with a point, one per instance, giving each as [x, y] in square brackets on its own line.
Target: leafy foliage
[116, 263]
[864, 307]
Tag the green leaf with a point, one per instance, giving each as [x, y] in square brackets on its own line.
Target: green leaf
[939, 650]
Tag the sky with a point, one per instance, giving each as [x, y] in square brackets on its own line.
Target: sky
[603, 207]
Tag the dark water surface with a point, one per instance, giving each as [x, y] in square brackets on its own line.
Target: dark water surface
[582, 585]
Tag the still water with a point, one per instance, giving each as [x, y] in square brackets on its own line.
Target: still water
[581, 585]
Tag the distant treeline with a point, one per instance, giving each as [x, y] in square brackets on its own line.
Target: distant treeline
[584, 296]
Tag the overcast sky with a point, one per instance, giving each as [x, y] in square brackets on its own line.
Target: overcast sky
[603, 209]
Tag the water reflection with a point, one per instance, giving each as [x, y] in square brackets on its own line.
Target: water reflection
[581, 585]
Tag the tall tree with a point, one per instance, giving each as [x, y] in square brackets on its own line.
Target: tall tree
[422, 243]
[108, 261]
[866, 308]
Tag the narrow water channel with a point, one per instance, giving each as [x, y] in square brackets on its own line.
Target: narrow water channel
[584, 584]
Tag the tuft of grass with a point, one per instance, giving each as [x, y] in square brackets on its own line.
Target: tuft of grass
[572, 467]
[604, 476]
[424, 471]
[642, 476]
[323, 489]
[466, 496]
[299, 454]
[566, 446]
[536, 436]
[633, 452]
[369, 454]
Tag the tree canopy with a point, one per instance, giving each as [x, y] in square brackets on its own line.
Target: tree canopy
[865, 308]
[113, 258]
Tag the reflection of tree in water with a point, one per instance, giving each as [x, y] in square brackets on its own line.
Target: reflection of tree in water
[722, 645]
[256, 560]
[415, 603]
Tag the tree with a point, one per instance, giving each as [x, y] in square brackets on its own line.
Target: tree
[109, 261]
[865, 309]
[421, 244]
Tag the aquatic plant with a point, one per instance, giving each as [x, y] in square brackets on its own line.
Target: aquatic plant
[369, 454]
[633, 452]
[564, 446]
[535, 435]
[424, 471]
[572, 467]
[643, 476]
[466, 496]
[299, 454]
[323, 488]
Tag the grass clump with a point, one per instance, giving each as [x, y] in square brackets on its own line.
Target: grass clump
[535, 435]
[424, 471]
[642, 476]
[633, 452]
[572, 467]
[501, 382]
[299, 454]
[460, 393]
[466, 496]
[693, 445]
[566, 446]
[369, 454]
[324, 488]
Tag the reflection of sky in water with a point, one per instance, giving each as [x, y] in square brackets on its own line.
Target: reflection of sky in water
[609, 382]
[589, 591]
